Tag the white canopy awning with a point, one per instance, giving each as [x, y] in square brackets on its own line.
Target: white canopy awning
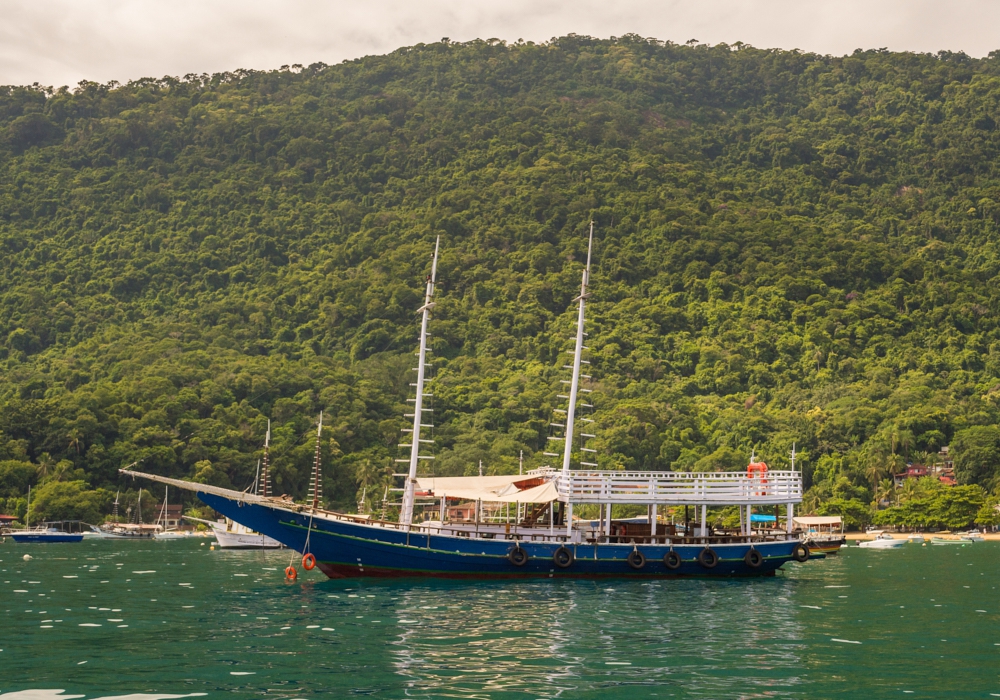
[817, 520]
[494, 489]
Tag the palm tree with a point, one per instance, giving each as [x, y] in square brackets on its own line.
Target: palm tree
[75, 439]
[45, 464]
[885, 489]
[908, 490]
[372, 477]
[900, 440]
[811, 500]
[875, 460]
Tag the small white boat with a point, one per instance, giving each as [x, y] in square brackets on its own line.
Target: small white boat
[882, 541]
[916, 539]
[232, 535]
[948, 540]
[972, 536]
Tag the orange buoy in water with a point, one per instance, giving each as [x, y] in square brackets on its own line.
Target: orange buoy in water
[291, 574]
[308, 562]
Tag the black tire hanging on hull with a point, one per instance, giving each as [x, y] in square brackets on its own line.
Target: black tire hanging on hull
[517, 556]
[672, 560]
[708, 558]
[636, 559]
[800, 553]
[563, 557]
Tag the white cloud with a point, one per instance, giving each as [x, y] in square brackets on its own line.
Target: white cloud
[60, 42]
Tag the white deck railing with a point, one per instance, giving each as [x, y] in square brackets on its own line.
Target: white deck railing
[681, 488]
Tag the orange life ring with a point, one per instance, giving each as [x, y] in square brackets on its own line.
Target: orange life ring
[308, 562]
[291, 574]
[758, 471]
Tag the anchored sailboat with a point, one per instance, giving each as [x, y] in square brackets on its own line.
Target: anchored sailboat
[540, 541]
[167, 533]
[234, 535]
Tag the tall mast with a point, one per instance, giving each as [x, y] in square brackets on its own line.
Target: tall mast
[574, 388]
[163, 511]
[406, 513]
[317, 485]
[264, 478]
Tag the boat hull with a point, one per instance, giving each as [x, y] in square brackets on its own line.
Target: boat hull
[169, 536]
[243, 540]
[882, 544]
[43, 538]
[824, 546]
[346, 549]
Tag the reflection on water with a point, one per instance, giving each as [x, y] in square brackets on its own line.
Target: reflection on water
[552, 639]
[108, 620]
[58, 694]
[480, 640]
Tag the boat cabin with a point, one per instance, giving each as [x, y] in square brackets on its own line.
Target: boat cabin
[70, 527]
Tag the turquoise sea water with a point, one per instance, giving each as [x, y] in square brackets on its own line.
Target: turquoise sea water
[109, 619]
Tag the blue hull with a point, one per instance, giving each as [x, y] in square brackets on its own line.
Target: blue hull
[42, 538]
[348, 549]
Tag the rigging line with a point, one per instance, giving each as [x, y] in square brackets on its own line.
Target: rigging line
[308, 534]
[305, 547]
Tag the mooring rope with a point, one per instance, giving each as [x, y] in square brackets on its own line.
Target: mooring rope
[305, 547]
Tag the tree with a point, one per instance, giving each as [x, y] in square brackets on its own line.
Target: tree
[45, 465]
[977, 455]
[854, 513]
[936, 506]
[989, 513]
[766, 274]
[68, 500]
[876, 460]
[15, 477]
[885, 491]
[206, 473]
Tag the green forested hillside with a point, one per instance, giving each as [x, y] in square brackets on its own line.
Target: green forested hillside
[790, 248]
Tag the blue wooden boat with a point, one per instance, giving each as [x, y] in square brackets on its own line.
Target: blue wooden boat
[51, 532]
[541, 539]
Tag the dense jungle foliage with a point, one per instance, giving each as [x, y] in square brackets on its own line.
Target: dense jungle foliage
[790, 248]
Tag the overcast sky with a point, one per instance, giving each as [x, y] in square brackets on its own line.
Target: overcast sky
[61, 42]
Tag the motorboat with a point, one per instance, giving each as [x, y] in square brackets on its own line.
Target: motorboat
[972, 536]
[823, 534]
[948, 540]
[882, 541]
[52, 532]
[916, 539]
